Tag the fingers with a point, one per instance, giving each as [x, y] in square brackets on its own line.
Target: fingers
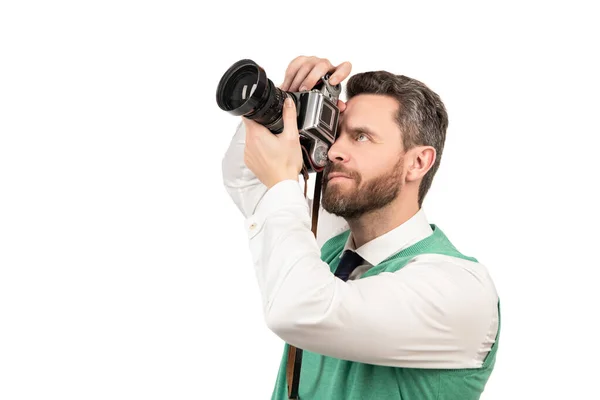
[317, 72]
[341, 105]
[291, 71]
[303, 73]
[341, 72]
[290, 119]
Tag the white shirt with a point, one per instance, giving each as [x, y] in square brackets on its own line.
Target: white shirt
[436, 312]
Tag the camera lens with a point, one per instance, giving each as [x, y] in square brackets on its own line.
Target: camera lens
[245, 90]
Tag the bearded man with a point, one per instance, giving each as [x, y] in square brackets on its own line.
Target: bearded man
[380, 303]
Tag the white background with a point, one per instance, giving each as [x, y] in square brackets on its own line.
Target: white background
[125, 271]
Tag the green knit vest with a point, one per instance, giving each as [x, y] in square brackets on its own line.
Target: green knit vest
[328, 378]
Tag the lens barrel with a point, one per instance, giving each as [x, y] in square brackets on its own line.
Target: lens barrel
[245, 90]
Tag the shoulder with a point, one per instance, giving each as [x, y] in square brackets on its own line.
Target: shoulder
[457, 275]
[461, 293]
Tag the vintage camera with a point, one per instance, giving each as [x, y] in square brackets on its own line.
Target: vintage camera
[245, 90]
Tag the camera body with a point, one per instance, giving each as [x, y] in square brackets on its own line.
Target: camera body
[317, 121]
[244, 90]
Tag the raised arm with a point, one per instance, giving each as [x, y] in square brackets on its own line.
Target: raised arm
[421, 316]
[241, 184]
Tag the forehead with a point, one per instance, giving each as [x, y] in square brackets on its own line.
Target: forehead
[375, 111]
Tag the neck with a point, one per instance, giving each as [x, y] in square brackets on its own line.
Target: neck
[379, 222]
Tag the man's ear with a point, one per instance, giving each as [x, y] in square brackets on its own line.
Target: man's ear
[420, 160]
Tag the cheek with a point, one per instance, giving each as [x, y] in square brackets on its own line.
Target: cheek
[376, 166]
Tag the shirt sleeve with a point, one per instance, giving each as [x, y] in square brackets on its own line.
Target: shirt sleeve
[421, 316]
[246, 190]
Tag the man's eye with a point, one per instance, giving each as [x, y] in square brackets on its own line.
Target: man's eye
[361, 135]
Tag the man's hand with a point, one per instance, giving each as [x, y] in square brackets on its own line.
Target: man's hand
[303, 73]
[274, 158]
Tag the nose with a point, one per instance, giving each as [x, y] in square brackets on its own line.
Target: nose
[337, 152]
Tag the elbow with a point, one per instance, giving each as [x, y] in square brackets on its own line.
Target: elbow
[313, 307]
[280, 321]
[275, 326]
[287, 319]
[293, 320]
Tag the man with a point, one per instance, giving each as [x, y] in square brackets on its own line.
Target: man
[412, 318]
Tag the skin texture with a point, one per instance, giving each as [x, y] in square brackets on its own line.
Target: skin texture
[381, 184]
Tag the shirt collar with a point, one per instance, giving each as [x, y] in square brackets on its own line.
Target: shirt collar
[405, 235]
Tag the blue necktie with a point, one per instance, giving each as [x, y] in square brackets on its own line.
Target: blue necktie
[349, 261]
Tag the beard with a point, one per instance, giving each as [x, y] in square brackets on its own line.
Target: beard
[350, 200]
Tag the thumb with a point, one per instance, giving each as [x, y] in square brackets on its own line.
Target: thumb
[290, 118]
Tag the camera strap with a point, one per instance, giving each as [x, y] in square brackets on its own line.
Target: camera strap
[294, 361]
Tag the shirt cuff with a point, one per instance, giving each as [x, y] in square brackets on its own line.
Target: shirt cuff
[286, 194]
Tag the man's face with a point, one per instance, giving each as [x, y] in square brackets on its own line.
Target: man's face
[368, 152]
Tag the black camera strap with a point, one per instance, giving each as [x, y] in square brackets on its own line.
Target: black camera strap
[294, 361]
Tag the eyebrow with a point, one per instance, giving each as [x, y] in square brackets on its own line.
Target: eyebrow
[360, 129]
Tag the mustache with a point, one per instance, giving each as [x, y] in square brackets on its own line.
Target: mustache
[331, 168]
